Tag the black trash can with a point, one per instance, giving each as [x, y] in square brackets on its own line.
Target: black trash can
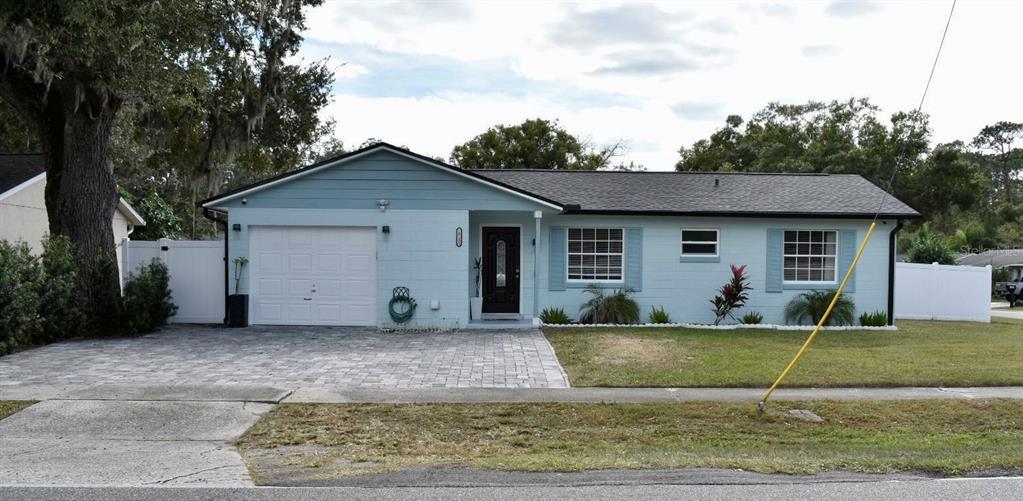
[238, 310]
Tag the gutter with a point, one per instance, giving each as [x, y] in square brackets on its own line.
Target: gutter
[211, 215]
[891, 269]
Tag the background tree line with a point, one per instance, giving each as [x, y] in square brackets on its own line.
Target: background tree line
[967, 191]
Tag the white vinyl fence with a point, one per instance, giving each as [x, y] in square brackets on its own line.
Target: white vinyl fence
[196, 270]
[942, 292]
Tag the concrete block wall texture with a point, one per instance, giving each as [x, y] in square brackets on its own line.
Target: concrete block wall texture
[684, 289]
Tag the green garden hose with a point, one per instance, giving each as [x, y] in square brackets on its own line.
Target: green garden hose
[401, 296]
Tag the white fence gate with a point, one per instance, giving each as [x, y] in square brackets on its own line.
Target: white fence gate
[196, 270]
[942, 292]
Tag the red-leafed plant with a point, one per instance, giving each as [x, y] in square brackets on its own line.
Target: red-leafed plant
[732, 296]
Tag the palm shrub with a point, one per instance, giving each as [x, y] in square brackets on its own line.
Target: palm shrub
[875, 319]
[617, 307]
[732, 296]
[147, 298]
[751, 318]
[659, 316]
[812, 305]
[555, 316]
[929, 247]
[20, 279]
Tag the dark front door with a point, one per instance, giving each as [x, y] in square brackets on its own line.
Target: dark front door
[500, 270]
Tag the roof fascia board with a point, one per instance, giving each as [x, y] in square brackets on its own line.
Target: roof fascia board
[133, 216]
[453, 170]
[793, 215]
[23, 185]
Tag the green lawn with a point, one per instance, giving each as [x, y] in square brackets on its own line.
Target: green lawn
[9, 407]
[920, 353]
[317, 441]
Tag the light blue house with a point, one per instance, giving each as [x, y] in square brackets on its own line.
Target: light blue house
[329, 243]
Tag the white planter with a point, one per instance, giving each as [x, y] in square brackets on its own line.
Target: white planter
[476, 308]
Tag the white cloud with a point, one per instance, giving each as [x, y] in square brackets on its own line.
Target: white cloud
[736, 57]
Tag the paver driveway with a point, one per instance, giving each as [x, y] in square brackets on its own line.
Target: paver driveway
[292, 357]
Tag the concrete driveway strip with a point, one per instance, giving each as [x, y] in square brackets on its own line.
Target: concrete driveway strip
[126, 443]
[638, 395]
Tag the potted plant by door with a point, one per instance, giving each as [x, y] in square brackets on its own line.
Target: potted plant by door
[476, 302]
[238, 304]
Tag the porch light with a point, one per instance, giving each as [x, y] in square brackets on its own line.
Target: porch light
[383, 203]
[458, 236]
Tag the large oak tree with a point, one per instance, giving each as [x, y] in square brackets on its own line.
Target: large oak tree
[68, 68]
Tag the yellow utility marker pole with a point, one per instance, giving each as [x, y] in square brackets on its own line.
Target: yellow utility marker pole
[763, 402]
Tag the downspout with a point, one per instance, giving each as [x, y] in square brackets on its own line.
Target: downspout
[208, 214]
[537, 215]
[892, 237]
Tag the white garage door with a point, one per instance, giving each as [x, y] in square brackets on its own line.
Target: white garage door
[313, 275]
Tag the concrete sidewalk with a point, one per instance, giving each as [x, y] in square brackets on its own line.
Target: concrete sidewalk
[263, 394]
[90, 442]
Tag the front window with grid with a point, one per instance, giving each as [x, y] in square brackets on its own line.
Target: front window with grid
[810, 255]
[595, 253]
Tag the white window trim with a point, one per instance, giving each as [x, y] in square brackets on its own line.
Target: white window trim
[838, 235]
[717, 243]
[568, 230]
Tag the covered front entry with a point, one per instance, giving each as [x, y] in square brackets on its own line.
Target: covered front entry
[502, 260]
[313, 275]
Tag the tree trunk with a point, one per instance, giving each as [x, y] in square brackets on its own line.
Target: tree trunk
[1007, 180]
[81, 198]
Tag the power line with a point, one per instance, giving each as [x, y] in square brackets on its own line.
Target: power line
[927, 87]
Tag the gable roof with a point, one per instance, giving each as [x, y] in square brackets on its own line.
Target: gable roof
[381, 146]
[708, 194]
[19, 170]
[655, 193]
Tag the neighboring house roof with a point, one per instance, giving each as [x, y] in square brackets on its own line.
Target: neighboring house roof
[17, 169]
[660, 193]
[721, 194]
[997, 258]
[20, 170]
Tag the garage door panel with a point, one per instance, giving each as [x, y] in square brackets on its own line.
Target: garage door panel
[332, 288]
[300, 263]
[330, 263]
[271, 287]
[267, 312]
[270, 262]
[360, 314]
[300, 288]
[334, 267]
[328, 312]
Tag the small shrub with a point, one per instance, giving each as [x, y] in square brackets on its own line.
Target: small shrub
[147, 298]
[615, 308]
[875, 319]
[812, 305]
[659, 316]
[732, 295]
[20, 279]
[60, 307]
[752, 318]
[555, 316]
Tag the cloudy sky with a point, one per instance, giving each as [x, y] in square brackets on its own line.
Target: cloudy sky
[430, 75]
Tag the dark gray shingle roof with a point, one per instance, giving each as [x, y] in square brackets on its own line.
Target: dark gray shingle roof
[836, 195]
[16, 168]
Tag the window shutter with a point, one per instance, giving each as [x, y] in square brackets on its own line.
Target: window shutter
[634, 259]
[846, 253]
[556, 272]
[773, 273]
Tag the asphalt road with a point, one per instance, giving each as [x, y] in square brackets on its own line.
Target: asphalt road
[959, 489]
